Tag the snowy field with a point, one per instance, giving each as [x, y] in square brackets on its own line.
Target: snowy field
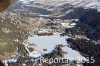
[49, 42]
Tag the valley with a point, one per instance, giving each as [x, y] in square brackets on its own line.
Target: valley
[31, 29]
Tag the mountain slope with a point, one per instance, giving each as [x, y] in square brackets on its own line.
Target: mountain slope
[56, 2]
[53, 8]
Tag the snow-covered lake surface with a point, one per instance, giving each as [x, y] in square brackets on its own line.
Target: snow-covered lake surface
[49, 42]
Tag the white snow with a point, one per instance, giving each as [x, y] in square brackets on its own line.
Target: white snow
[26, 1]
[55, 2]
[95, 4]
[68, 25]
[65, 24]
[73, 24]
[49, 42]
[85, 3]
[35, 53]
[10, 60]
[72, 54]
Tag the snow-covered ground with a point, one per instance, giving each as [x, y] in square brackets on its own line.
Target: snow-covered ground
[68, 25]
[10, 60]
[55, 2]
[95, 4]
[49, 42]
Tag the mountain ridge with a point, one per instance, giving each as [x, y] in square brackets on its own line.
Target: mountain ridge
[55, 5]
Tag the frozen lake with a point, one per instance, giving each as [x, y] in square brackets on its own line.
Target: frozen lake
[49, 42]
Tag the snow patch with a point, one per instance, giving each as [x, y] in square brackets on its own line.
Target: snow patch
[49, 42]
